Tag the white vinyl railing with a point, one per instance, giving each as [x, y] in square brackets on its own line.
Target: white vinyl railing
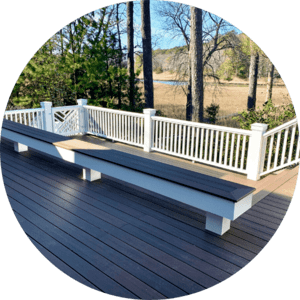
[122, 126]
[210, 144]
[281, 147]
[254, 152]
[31, 117]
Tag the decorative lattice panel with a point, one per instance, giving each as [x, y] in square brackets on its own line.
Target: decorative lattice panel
[66, 122]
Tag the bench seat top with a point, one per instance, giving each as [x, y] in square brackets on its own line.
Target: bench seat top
[202, 182]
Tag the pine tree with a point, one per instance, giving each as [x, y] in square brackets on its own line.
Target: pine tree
[81, 61]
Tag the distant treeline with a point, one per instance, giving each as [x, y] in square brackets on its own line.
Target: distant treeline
[226, 64]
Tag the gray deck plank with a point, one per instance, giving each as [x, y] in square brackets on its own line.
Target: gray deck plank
[61, 265]
[95, 211]
[212, 241]
[110, 248]
[208, 184]
[136, 223]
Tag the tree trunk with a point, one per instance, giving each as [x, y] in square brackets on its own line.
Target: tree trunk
[253, 74]
[270, 83]
[130, 46]
[61, 42]
[74, 60]
[189, 91]
[147, 53]
[196, 53]
[120, 57]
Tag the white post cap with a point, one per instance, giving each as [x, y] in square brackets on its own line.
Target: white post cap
[46, 104]
[82, 101]
[149, 111]
[259, 127]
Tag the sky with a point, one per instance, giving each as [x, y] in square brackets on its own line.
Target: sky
[160, 38]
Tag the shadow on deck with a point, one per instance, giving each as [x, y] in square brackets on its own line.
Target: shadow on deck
[129, 242]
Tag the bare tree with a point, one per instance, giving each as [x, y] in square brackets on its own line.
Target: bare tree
[215, 37]
[253, 75]
[147, 53]
[196, 54]
[130, 47]
[177, 19]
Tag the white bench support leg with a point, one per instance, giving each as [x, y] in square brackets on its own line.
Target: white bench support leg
[20, 147]
[216, 224]
[91, 175]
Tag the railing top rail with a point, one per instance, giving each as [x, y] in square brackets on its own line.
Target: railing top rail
[65, 107]
[18, 111]
[121, 112]
[281, 127]
[205, 126]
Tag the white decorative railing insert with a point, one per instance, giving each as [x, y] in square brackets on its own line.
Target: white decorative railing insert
[66, 120]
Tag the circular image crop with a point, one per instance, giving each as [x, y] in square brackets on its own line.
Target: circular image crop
[150, 150]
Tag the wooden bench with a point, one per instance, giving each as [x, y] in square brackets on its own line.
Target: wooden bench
[222, 200]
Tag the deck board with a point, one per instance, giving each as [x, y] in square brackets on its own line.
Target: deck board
[93, 240]
[61, 265]
[136, 222]
[103, 282]
[204, 183]
[263, 187]
[109, 247]
[162, 217]
[124, 240]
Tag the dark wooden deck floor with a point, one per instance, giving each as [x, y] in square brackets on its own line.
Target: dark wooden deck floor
[125, 241]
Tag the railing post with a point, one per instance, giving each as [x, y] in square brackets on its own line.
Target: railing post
[255, 150]
[47, 106]
[148, 112]
[82, 119]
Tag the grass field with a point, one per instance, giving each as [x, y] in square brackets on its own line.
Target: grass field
[171, 100]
